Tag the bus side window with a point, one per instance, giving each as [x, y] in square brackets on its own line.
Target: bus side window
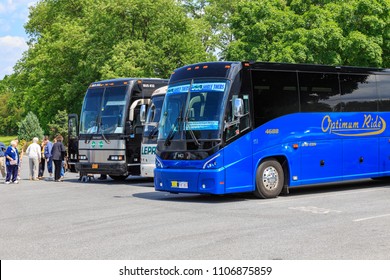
[320, 92]
[275, 93]
[358, 93]
[383, 84]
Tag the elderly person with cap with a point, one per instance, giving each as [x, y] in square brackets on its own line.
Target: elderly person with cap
[34, 157]
[12, 163]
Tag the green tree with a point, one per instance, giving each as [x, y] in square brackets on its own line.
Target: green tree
[29, 128]
[74, 43]
[332, 32]
[59, 125]
[10, 110]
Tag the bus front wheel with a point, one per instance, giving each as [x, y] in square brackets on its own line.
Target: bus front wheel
[269, 179]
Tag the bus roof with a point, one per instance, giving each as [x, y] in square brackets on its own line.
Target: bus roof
[160, 91]
[314, 67]
[125, 81]
[223, 69]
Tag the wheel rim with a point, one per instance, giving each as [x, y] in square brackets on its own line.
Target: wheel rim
[270, 178]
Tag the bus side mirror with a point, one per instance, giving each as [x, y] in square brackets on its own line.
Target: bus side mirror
[238, 107]
[142, 113]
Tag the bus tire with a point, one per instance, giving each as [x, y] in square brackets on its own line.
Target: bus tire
[118, 177]
[269, 179]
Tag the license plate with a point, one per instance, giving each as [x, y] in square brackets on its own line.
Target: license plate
[179, 184]
[95, 166]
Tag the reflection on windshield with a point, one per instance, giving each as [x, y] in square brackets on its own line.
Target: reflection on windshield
[192, 111]
[103, 110]
[153, 117]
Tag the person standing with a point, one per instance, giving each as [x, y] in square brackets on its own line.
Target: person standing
[20, 157]
[47, 153]
[2, 159]
[42, 163]
[58, 154]
[12, 163]
[34, 157]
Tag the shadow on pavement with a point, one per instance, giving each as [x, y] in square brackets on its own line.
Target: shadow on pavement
[195, 198]
[294, 192]
[338, 187]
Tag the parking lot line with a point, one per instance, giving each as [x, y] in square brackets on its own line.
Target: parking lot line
[373, 217]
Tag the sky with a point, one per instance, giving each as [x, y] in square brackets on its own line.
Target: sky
[13, 16]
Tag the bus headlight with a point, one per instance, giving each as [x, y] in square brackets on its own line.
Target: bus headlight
[211, 163]
[116, 158]
[83, 157]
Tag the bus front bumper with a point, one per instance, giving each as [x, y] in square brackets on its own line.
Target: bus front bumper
[102, 168]
[208, 181]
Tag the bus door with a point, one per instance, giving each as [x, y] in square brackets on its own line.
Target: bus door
[73, 138]
[136, 131]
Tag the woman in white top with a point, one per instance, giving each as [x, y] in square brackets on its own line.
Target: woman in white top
[34, 157]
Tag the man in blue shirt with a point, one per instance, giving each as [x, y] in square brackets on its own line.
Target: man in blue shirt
[47, 153]
[3, 148]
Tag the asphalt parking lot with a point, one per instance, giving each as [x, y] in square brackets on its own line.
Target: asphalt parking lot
[129, 220]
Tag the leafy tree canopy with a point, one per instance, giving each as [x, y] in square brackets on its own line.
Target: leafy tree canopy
[74, 43]
[355, 32]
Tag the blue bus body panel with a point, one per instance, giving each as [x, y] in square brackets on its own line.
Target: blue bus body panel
[317, 147]
[384, 156]
[238, 162]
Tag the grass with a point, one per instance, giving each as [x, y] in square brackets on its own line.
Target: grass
[7, 139]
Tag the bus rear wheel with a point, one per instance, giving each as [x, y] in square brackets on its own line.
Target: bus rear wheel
[269, 179]
[118, 177]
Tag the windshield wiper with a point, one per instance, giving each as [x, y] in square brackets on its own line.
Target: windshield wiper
[102, 132]
[153, 132]
[173, 130]
[188, 128]
[97, 129]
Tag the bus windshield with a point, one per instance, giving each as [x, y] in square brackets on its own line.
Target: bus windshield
[153, 116]
[103, 111]
[192, 110]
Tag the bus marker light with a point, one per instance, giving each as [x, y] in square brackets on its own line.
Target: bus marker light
[295, 146]
[246, 64]
[227, 66]
[197, 67]
[295, 178]
[205, 66]
[222, 183]
[189, 68]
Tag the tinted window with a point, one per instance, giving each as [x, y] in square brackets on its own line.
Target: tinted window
[383, 84]
[319, 92]
[274, 95]
[358, 93]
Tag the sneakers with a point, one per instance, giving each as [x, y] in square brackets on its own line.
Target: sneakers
[16, 182]
[7, 182]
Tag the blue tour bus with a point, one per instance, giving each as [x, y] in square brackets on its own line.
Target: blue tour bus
[229, 127]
